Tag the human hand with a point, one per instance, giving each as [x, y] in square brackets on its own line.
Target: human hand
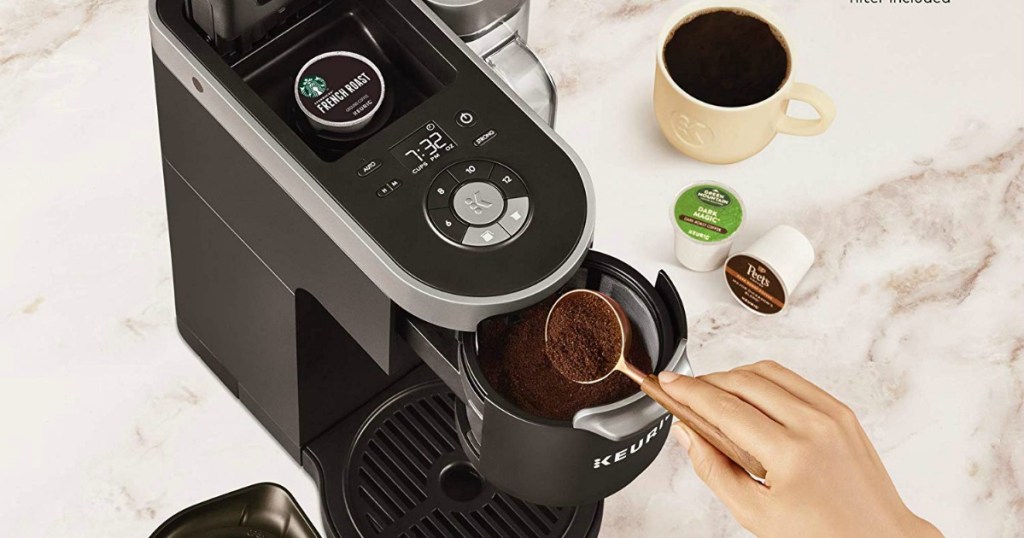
[824, 476]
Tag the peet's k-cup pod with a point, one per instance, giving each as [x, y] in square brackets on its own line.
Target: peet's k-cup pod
[706, 217]
[764, 276]
[339, 91]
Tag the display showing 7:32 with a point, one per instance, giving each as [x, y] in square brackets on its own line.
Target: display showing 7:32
[423, 147]
[431, 147]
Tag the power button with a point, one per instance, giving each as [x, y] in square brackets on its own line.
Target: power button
[465, 119]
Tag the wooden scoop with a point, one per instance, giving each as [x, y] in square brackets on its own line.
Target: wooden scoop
[600, 368]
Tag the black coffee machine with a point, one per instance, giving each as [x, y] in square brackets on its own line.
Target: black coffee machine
[335, 282]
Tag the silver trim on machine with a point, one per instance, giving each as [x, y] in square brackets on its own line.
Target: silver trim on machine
[442, 308]
[623, 419]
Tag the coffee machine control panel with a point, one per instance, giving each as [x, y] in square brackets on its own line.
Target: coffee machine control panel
[470, 203]
[473, 203]
[478, 203]
[447, 191]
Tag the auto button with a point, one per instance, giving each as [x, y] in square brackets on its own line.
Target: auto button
[369, 168]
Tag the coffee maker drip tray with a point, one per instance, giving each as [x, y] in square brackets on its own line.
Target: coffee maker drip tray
[397, 469]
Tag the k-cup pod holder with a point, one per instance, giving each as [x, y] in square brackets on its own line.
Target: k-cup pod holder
[398, 58]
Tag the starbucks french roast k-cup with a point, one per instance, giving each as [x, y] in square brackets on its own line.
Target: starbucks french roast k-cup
[706, 217]
[764, 276]
[339, 91]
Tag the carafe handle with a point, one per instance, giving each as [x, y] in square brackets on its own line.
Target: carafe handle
[521, 68]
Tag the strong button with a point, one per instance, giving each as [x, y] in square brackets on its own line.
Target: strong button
[478, 203]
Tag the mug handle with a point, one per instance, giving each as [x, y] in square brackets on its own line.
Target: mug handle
[822, 104]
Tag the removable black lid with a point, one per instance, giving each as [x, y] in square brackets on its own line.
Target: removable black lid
[258, 511]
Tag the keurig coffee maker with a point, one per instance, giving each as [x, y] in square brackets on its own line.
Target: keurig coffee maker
[353, 191]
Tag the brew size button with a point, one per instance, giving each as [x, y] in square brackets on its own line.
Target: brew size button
[509, 182]
[467, 170]
[445, 222]
[441, 191]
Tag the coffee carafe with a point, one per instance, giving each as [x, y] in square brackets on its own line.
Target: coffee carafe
[497, 31]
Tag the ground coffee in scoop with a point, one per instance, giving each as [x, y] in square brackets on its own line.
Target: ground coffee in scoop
[583, 337]
[513, 358]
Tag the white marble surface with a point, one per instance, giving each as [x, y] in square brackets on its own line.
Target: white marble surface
[913, 313]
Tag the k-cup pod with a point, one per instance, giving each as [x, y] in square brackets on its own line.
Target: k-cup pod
[339, 91]
[706, 217]
[764, 276]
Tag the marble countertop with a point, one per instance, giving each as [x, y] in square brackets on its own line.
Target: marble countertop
[912, 314]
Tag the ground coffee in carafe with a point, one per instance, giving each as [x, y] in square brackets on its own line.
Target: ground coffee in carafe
[513, 359]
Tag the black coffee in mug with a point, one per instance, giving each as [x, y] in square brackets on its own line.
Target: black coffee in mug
[727, 58]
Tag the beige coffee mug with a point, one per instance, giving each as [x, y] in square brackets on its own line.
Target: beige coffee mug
[723, 135]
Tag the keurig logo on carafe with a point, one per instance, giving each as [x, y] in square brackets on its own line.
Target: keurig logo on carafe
[339, 91]
[612, 459]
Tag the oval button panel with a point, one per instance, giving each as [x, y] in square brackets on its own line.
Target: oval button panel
[478, 204]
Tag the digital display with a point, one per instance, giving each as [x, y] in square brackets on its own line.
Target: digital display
[420, 149]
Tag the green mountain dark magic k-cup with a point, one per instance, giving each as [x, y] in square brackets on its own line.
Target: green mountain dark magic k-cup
[706, 218]
[339, 91]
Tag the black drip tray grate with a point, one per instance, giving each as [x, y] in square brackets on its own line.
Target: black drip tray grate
[407, 477]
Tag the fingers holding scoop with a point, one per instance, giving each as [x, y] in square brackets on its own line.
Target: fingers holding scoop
[764, 394]
[747, 426]
[797, 386]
